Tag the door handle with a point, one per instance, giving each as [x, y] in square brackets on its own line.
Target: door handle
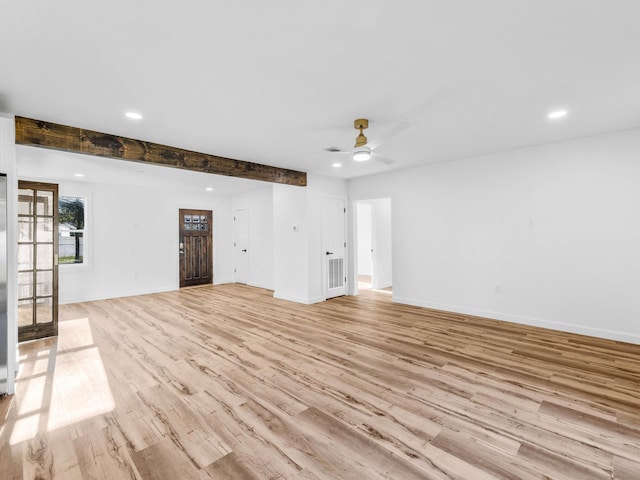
[329, 253]
[244, 250]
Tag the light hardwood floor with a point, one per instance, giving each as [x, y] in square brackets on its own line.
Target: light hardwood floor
[229, 383]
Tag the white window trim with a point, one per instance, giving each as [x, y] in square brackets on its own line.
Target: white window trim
[87, 258]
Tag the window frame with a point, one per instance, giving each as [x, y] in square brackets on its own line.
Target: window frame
[86, 231]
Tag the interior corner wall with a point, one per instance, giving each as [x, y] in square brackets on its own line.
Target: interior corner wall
[319, 188]
[132, 236]
[8, 167]
[544, 236]
[259, 205]
[290, 243]
[297, 220]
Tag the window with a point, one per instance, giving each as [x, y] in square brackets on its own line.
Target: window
[71, 215]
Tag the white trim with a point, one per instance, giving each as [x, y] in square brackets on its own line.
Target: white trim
[8, 165]
[77, 191]
[107, 296]
[530, 321]
[293, 298]
[234, 251]
[324, 272]
[266, 286]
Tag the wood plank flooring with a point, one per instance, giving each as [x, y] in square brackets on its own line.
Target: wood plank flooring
[227, 382]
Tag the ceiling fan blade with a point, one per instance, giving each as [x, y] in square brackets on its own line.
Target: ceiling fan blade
[386, 161]
[392, 132]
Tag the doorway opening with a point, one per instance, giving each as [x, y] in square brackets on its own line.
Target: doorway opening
[373, 258]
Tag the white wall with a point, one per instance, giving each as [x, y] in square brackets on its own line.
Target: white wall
[132, 240]
[291, 243]
[363, 237]
[545, 235]
[259, 205]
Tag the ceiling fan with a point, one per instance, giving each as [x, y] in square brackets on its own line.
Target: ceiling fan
[365, 150]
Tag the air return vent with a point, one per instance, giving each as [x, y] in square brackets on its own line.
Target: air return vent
[336, 273]
[334, 149]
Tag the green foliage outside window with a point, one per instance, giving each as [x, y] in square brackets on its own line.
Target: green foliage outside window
[71, 218]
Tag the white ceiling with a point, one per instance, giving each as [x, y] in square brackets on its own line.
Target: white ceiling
[277, 82]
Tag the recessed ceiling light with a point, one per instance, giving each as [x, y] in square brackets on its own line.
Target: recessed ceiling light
[209, 189]
[133, 115]
[337, 165]
[557, 114]
[78, 174]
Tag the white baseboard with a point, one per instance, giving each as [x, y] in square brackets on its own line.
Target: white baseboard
[293, 298]
[260, 285]
[533, 322]
[105, 296]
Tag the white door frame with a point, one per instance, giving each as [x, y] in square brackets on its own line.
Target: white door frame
[344, 252]
[239, 250]
[353, 265]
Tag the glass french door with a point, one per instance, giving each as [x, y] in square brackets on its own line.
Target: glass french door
[37, 260]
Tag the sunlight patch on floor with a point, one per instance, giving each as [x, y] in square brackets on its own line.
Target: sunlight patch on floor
[58, 387]
[81, 388]
[31, 393]
[73, 334]
[25, 429]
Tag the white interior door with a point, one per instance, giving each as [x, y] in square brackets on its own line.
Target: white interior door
[334, 270]
[240, 246]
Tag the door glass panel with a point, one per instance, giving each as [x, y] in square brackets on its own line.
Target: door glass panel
[25, 201]
[44, 202]
[45, 230]
[37, 266]
[25, 257]
[25, 312]
[44, 283]
[25, 285]
[25, 229]
[45, 256]
[44, 310]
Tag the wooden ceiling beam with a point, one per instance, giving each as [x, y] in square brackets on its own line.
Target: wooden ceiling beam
[38, 133]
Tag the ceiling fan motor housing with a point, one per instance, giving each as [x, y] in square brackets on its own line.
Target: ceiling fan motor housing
[361, 124]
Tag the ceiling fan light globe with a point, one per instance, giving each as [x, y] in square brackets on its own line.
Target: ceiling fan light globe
[362, 155]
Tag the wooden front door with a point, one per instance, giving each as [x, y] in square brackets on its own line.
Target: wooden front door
[196, 255]
[37, 260]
